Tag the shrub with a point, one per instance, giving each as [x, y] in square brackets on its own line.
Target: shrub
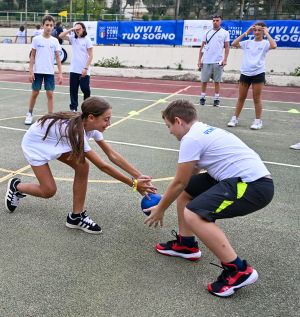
[112, 62]
[296, 72]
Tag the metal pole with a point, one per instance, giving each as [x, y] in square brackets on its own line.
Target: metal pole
[177, 9]
[85, 10]
[71, 9]
[242, 9]
[26, 21]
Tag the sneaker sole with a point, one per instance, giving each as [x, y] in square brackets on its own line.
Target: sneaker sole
[6, 197]
[83, 229]
[190, 257]
[250, 280]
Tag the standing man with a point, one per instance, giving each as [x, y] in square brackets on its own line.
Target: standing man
[82, 56]
[44, 50]
[212, 58]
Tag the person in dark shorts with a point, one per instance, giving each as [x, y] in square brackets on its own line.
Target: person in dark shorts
[235, 183]
[252, 70]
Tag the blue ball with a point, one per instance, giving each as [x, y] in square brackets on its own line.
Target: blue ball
[146, 203]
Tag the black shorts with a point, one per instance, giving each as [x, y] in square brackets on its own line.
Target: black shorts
[256, 79]
[228, 198]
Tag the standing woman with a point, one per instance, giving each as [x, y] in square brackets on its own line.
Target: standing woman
[252, 70]
[64, 136]
[82, 56]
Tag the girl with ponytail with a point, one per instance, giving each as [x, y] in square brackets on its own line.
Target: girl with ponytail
[64, 136]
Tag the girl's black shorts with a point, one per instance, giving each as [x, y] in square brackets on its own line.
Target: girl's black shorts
[256, 79]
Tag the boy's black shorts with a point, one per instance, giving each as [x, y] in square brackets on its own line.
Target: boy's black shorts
[228, 198]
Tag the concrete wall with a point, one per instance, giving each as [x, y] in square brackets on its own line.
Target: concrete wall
[280, 61]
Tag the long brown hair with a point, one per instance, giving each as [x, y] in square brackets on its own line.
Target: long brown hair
[74, 130]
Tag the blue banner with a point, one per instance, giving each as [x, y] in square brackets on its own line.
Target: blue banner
[286, 33]
[140, 32]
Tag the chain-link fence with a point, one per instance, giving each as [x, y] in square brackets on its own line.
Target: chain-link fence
[79, 10]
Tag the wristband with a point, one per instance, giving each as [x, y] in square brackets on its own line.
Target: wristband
[245, 34]
[134, 184]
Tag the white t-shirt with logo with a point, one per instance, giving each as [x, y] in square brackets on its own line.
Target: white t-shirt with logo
[254, 57]
[45, 54]
[213, 51]
[221, 153]
[39, 152]
[80, 46]
[21, 37]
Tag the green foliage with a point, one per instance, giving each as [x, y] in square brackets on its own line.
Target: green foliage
[145, 17]
[112, 62]
[296, 72]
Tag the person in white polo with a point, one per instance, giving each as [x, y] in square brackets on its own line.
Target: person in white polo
[213, 56]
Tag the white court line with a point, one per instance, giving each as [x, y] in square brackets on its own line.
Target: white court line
[156, 84]
[159, 148]
[157, 93]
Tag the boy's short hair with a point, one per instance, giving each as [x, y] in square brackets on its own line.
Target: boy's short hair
[48, 17]
[182, 109]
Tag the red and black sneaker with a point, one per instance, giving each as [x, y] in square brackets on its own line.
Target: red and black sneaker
[178, 248]
[232, 279]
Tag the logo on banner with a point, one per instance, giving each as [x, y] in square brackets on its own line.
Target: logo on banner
[102, 32]
[112, 32]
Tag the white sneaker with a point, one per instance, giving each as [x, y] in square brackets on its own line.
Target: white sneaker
[256, 125]
[295, 146]
[29, 118]
[233, 122]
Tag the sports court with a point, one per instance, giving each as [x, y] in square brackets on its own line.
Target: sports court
[47, 269]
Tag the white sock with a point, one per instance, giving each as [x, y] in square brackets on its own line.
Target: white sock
[202, 95]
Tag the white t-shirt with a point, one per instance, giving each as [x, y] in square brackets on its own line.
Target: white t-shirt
[21, 37]
[80, 54]
[37, 32]
[213, 51]
[221, 153]
[45, 54]
[38, 152]
[254, 56]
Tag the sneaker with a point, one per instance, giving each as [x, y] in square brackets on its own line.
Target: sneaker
[29, 118]
[12, 197]
[202, 101]
[256, 125]
[177, 248]
[231, 279]
[83, 222]
[233, 122]
[295, 146]
[216, 103]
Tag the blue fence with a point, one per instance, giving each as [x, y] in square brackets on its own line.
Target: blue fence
[286, 33]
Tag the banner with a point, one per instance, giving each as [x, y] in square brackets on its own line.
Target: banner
[140, 32]
[190, 32]
[193, 31]
[286, 33]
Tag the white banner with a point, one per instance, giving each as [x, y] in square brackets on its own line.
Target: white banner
[193, 31]
[91, 29]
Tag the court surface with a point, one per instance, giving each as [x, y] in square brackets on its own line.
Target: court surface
[49, 270]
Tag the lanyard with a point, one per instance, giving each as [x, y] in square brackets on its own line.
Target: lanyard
[208, 40]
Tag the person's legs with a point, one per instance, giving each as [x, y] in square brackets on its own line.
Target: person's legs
[243, 92]
[78, 219]
[32, 99]
[50, 101]
[85, 87]
[256, 91]
[74, 85]
[16, 190]
[49, 83]
[80, 181]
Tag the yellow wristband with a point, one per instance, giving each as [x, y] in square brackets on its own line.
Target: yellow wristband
[245, 34]
[134, 184]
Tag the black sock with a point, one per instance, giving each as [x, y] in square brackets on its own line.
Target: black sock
[189, 241]
[239, 263]
[75, 215]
